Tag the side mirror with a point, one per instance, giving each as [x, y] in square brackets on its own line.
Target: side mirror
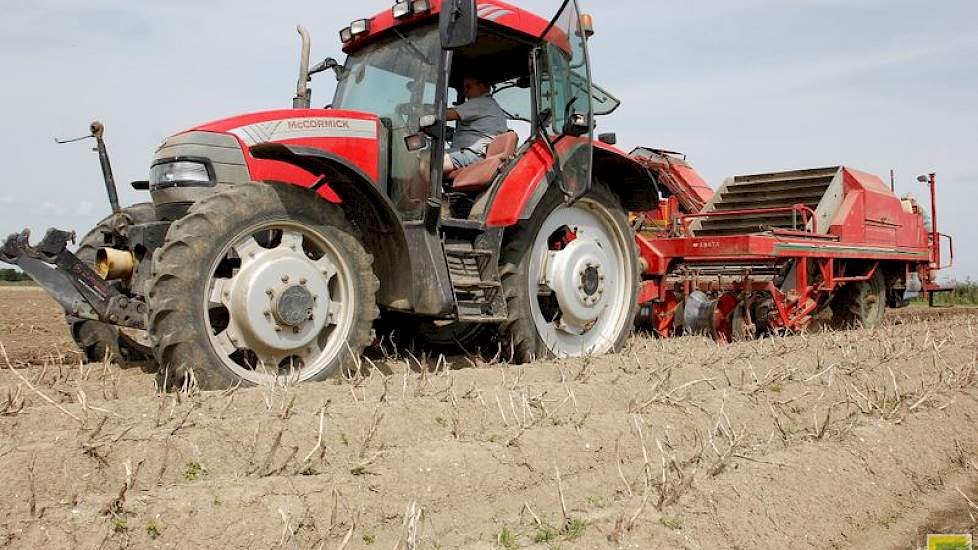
[458, 24]
[415, 142]
[610, 138]
[577, 125]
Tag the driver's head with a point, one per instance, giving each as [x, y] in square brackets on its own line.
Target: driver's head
[473, 86]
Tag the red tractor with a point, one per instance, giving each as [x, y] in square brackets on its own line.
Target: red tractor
[275, 240]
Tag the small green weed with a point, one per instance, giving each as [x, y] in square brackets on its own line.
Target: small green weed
[575, 529]
[153, 529]
[672, 523]
[119, 525]
[192, 471]
[545, 533]
[507, 539]
[369, 538]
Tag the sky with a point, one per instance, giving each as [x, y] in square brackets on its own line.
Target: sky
[740, 87]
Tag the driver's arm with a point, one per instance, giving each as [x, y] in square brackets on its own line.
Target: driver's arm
[452, 114]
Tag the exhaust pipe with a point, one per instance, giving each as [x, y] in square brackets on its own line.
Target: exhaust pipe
[112, 264]
[303, 95]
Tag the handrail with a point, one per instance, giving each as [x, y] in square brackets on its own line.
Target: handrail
[807, 214]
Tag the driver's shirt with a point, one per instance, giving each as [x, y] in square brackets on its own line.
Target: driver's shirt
[482, 119]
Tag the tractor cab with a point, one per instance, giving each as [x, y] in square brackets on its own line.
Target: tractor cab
[401, 68]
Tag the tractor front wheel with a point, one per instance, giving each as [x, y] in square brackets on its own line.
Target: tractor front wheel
[570, 275]
[261, 284]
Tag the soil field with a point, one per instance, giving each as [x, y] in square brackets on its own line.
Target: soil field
[848, 440]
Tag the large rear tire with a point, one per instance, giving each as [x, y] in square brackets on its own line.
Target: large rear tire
[98, 340]
[861, 304]
[570, 275]
[260, 284]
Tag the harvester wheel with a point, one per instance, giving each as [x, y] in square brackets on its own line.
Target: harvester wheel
[99, 340]
[861, 304]
[260, 284]
[570, 275]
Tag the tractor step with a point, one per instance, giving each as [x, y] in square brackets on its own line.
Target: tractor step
[466, 251]
[481, 319]
[468, 283]
[475, 280]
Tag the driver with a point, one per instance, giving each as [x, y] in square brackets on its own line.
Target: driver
[479, 120]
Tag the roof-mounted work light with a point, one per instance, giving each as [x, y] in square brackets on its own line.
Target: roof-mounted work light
[401, 9]
[346, 35]
[420, 6]
[360, 26]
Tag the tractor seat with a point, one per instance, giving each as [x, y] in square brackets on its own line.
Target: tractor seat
[476, 177]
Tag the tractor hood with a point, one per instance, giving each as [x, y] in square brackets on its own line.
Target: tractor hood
[188, 165]
[350, 136]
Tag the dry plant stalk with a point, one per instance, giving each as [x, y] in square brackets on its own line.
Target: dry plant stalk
[41, 394]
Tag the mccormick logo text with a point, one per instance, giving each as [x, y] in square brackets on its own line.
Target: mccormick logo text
[306, 128]
[311, 123]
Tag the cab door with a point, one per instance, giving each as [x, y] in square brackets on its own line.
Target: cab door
[564, 98]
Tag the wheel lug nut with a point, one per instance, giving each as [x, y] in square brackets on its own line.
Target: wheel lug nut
[285, 278]
[303, 282]
[269, 291]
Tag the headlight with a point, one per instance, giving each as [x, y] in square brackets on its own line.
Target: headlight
[173, 173]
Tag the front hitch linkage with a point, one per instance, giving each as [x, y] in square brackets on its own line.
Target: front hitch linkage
[74, 285]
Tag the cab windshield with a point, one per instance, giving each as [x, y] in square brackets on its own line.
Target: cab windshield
[395, 79]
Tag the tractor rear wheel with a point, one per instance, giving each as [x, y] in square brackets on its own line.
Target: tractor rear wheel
[260, 284]
[861, 304]
[570, 275]
[98, 340]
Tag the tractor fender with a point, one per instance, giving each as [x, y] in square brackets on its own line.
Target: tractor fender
[530, 179]
[372, 213]
[635, 186]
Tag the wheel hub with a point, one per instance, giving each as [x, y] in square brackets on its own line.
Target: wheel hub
[576, 274]
[279, 302]
[294, 306]
[590, 281]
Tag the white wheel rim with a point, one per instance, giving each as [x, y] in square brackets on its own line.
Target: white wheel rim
[282, 306]
[588, 280]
